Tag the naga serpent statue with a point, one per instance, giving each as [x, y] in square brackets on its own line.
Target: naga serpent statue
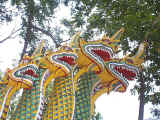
[96, 72]
[12, 82]
[80, 72]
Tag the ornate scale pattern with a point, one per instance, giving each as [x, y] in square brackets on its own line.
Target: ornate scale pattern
[28, 104]
[61, 100]
[3, 92]
[83, 96]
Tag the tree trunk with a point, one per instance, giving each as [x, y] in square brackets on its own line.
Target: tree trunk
[28, 34]
[24, 50]
[47, 33]
[141, 105]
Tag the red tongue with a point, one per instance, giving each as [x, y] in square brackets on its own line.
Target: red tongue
[128, 74]
[103, 54]
[68, 60]
[30, 72]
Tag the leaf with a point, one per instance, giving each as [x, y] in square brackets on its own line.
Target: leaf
[13, 2]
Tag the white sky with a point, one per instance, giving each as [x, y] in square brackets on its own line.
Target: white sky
[115, 106]
[120, 106]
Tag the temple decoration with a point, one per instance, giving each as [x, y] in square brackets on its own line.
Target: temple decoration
[51, 66]
[22, 76]
[80, 73]
[99, 57]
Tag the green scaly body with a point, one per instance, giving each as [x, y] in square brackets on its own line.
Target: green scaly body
[83, 96]
[61, 100]
[66, 104]
[3, 92]
[29, 103]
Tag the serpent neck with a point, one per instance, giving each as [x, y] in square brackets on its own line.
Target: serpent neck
[65, 103]
[31, 104]
[84, 85]
[61, 101]
[6, 94]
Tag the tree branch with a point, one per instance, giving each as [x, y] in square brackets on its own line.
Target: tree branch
[65, 40]
[10, 35]
[47, 33]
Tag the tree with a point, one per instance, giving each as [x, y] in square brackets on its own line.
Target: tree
[7, 15]
[34, 16]
[140, 18]
[97, 116]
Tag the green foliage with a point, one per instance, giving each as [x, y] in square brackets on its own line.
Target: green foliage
[97, 116]
[156, 112]
[36, 16]
[140, 18]
[39, 12]
[5, 14]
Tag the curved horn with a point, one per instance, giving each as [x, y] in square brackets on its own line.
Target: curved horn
[113, 42]
[117, 35]
[75, 40]
[138, 58]
[39, 49]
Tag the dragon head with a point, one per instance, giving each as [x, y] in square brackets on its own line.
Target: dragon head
[23, 75]
[60, 62]
[26, 72]
[127, 68]
[99, 56]
[95, 52]
[117, 73]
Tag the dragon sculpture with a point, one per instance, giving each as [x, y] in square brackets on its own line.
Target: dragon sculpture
[96, 72]
[80, 73]
[112, 73]
[13, 81]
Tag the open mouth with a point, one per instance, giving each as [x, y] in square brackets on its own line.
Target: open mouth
[99, 52]
[65, 59]
[27, 73]
[116, 85]
[123, 71]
